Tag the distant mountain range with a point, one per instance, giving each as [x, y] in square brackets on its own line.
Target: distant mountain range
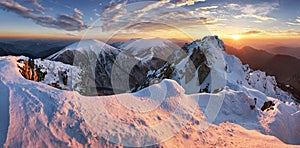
[284, 50]
[284, 67]
[32, 48]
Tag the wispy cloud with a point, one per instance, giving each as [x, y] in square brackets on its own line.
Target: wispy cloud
[279, 33]
[259, 17]
[180, 3]
[148, 27]
[295, 23]
[162, 12]
[62, 21]
[284, 33]
[258, 11]
[37, 5]
[207, 8]
[252, 32]
[77, 13]
[96, 13]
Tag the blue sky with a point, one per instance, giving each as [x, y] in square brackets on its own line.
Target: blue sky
[164, 18]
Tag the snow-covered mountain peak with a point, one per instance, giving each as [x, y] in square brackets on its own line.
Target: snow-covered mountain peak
[87, 47]
[214, 41]
[210, 43]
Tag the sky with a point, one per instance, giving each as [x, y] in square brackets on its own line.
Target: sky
[179, 19]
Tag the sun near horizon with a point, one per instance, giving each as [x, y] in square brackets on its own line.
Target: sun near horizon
[236, 37]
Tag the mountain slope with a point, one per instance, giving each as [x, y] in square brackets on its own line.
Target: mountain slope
[88, 48]
[148, 48]
[285, 68]
[32, 48]
[250, 56]
[7, 49]
[206, 67]
[95, 58]
[283, 50]
[98, 59]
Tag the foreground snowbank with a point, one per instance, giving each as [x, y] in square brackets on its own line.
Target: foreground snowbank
[40, 115]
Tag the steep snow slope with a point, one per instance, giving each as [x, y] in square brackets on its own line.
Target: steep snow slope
[40, 115]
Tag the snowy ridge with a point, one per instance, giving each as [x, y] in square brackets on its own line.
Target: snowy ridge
[123, 44]
[87, 47]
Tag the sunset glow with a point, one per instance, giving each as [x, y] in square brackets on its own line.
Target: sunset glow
[237, 20]
[236, 37]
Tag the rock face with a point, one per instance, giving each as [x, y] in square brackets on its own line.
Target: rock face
[55, 74]
[267, 105]
[28, 71]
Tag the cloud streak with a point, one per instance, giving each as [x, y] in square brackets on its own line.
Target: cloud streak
[272, 33]
[38, 6]
[259, 17]
[180, 3]
[257, 11]
[252, 32]
[295, 23]
[62, 21]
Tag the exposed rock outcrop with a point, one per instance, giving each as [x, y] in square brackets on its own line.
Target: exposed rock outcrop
[56, 74]
[28, 70]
